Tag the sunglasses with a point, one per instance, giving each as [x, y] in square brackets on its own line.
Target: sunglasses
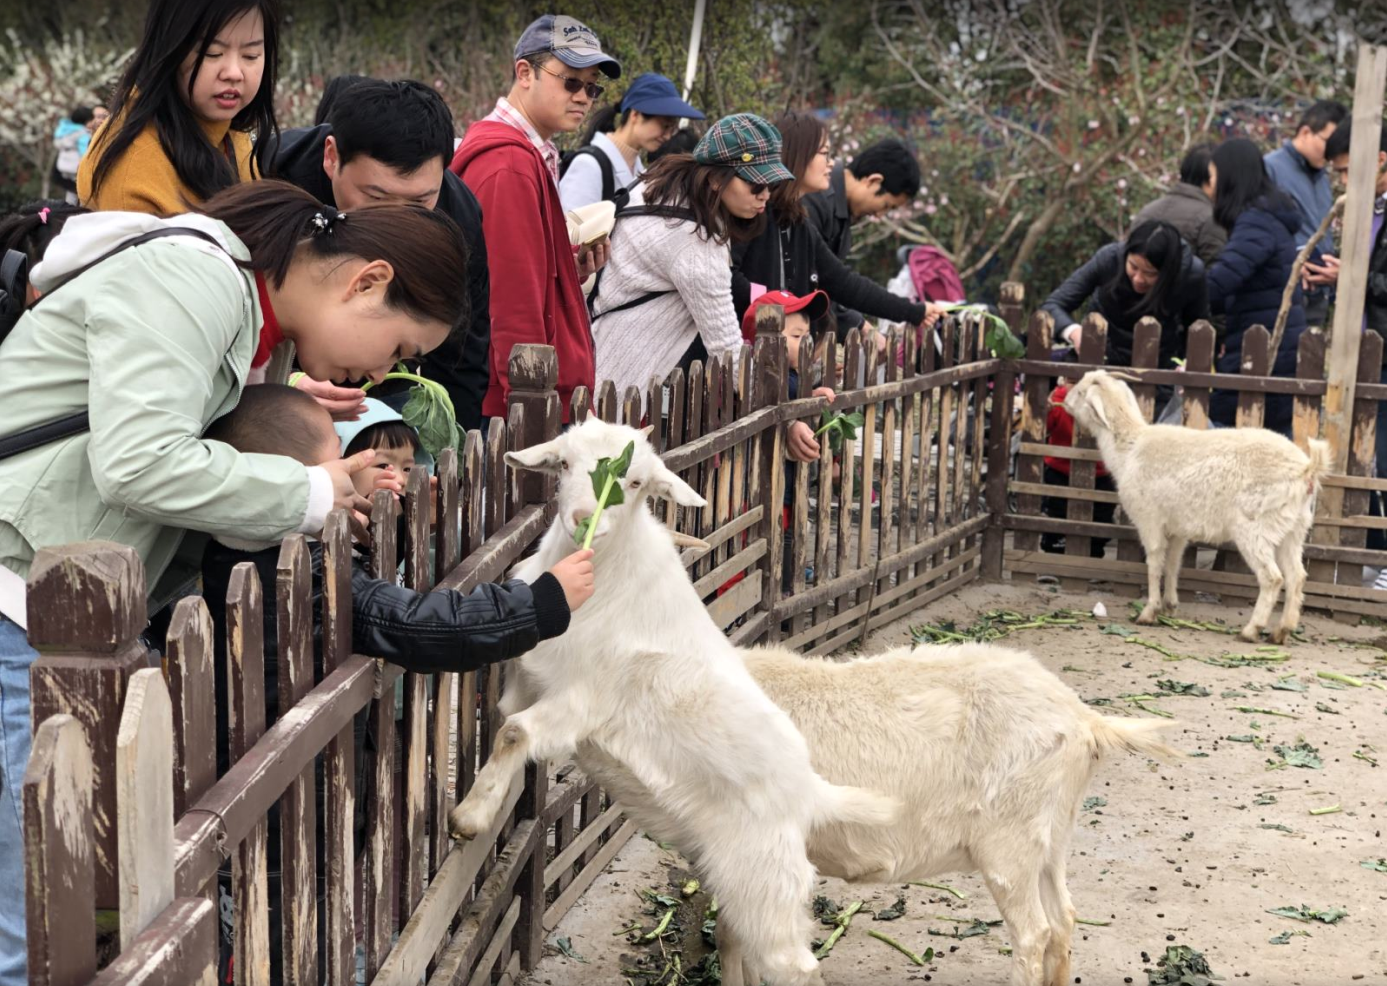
[757, 188]
[572, 85]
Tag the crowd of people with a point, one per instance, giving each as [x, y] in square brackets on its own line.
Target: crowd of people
[207, 306]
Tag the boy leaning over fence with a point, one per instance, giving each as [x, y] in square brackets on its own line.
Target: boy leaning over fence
[426, 632]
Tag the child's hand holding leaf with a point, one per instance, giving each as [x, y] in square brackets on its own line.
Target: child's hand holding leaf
[839, 426]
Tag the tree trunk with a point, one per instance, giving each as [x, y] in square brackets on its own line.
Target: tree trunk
[1034, 233]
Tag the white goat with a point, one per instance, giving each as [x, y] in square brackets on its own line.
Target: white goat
[654, 702]
[1246, 485]
[990, 754]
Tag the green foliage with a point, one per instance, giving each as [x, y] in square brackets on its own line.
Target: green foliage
[839, 427]
[1181, 966]
[1330, 915]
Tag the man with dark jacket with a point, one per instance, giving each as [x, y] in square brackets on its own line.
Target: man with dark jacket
[391, 142]
[883, 177]
[1298, 169]
[510, 160]
[1189, 206]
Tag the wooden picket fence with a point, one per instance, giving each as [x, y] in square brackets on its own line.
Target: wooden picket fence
[127, 823]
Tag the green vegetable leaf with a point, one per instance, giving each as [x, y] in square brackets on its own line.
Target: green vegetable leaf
[565, 946]
[998, 337]
[893, 912]
[606, 486]
[1300, 755]
[1181, 966]
[1093, 803]
[1379, 865]
[430, 413]
[1330, 915]
[1182, 688]
[840, 426]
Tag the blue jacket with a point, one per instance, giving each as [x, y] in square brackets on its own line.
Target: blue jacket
[1247, 280]
[1308, 187]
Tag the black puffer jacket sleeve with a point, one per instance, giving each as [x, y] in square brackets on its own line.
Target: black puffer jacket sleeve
[445, 630]
[851, 290]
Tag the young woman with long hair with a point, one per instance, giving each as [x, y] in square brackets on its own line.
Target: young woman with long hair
[1247, 280]
[155, 342]
[1154, 273]
[790, 255]
[666, 287]
[199, 87]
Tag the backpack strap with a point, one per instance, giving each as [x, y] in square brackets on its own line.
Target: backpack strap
[604, 164]
[669, 212]
[80, 421]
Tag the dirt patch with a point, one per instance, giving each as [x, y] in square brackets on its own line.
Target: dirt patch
[1193, 854]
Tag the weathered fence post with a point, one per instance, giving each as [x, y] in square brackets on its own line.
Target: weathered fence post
[1012, 309]
[770, 385]
[534, 376]
[86, 612]
[58, 858]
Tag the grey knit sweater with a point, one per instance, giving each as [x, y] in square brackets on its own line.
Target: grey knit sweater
[655, 253]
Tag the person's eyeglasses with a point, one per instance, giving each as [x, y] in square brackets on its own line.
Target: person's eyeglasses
[574, 85]
[757, 188]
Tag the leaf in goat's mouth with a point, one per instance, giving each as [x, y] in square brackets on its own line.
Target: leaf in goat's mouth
[606, 486]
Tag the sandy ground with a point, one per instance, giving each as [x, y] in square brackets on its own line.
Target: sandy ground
[1178, 855]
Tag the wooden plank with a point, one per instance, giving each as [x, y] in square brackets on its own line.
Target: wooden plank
[691, 473]
[193, 689]
[889, 437]
[1362, 456]
[59, 855]
[144, 802]
[246, 721]
[736, 601]
[1093, 348]
[339, 757]
[1035, 405]
[86, 606]
[449, 518]
[801, 535]
[558, 867]
[1199, 359]
[852, 368]
[604, 402]
[473, 932]
[924, 595]
[1073, 494]
[867, 459]
[1256, 362]
[417, 847]
[742, 560]
[770, 392]
[1061, 452]
[591, 872]
[178, 949]
[428, 924]
[298, 819]
[500, 940]
[999, 440]
[929, 439]
[581, 404]
[1192, 379]
[1355, 482]
[725, 534]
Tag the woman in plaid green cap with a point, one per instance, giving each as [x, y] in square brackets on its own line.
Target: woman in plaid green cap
[665, 296]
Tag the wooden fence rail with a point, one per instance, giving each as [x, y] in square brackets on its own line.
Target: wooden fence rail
[325, 837]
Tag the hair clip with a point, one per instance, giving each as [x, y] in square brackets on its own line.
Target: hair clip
[323, 223]
[43, 215]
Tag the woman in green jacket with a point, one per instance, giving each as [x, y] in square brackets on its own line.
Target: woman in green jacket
[155, 342]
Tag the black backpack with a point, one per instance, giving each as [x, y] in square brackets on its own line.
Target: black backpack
[14, 279]
[610, 193]
[669, 212]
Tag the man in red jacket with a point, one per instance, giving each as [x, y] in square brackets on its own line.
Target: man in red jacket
[512, 166]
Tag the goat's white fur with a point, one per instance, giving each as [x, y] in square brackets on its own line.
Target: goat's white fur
[655, 703]
[1249, 486]
[989, 752]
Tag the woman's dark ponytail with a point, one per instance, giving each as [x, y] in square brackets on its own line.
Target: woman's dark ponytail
[604, 121]
[33, 226]
[279, 222]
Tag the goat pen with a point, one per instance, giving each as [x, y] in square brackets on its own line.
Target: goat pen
[127, 824]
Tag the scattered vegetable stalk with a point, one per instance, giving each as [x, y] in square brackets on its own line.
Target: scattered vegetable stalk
[659, 929]
[1254, 710]
[841, 922]
[1331, 810]
[928, 955]
[606, 484]
[939, 886]
[1343, 679]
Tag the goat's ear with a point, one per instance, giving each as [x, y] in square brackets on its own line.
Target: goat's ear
[668, 486]
[647, 430]
[544, 457]
[1095, 403]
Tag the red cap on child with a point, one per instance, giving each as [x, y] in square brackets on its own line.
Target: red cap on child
[814, 305]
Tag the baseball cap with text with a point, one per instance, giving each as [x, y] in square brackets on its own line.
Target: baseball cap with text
[570, 41]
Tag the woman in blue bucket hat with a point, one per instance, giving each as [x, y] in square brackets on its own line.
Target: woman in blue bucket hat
[646, 116]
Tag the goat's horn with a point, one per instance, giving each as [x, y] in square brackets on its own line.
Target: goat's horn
[1124, 376]
[682, 540]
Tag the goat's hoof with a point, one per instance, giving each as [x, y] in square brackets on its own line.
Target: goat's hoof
[1169, 606]
[1281, 634]
[465, 822]
[1147, 617]
[1250, 634]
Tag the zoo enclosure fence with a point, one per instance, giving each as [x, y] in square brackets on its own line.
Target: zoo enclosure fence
[127, 822]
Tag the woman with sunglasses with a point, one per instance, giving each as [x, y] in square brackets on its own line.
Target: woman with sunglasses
[510, 163]
[790, 255]
[665, 295]
[609, 159]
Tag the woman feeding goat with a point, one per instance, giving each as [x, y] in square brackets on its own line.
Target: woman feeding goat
[1245, 485]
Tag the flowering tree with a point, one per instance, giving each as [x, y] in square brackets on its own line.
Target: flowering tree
[39, 85]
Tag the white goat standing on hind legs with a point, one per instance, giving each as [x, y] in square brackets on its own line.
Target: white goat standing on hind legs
[1246, 485]
[654, 702]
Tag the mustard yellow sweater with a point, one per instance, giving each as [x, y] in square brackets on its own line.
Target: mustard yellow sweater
[144, 180]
